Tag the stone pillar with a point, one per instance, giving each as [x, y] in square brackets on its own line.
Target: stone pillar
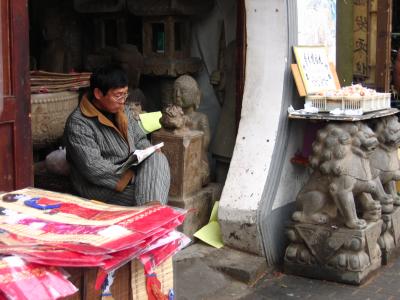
[183, 151]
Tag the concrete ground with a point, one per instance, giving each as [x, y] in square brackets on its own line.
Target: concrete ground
[202, 272]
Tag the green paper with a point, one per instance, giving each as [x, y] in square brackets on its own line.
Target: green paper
[214, 212]
[211, 234]
[150, 121]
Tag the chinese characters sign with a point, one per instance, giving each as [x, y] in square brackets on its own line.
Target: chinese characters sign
[360, 26]
[314, 68]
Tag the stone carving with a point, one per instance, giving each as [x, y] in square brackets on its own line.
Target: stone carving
[174, 119]
[342, 177]
[385, 165]
[331, 253]
[187, 95]
[389, 238]
[384, 159]
[49, 113]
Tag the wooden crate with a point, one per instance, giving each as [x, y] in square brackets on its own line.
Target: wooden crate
[129, 282]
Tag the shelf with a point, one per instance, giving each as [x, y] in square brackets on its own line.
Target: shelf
[329, 117]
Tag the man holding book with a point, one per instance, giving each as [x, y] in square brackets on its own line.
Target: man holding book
[101, 136]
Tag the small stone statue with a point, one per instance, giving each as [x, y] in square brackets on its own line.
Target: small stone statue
[174, 119]
[342, 177]
[187, 95]
[384, 160]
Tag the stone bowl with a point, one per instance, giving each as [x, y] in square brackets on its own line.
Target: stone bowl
[49, 113]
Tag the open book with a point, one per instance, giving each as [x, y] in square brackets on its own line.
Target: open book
[137, 156]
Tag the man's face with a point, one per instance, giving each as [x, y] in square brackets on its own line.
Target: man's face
[114, 100]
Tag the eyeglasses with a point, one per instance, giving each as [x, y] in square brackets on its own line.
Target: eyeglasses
[120, 99]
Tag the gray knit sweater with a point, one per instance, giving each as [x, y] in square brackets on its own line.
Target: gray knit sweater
[96, 147]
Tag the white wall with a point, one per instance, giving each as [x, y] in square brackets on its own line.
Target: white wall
[262, 183]
[261, 110]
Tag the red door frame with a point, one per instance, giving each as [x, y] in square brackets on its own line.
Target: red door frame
[16, 169]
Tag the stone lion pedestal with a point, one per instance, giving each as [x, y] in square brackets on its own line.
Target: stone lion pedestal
[333, 253]
[184, 153]
[390, 237]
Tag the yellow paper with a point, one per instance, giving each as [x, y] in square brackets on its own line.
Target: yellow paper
[214, 212]
[150, 121]
[211, 234]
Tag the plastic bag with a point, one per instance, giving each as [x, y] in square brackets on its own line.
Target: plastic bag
[56, 162]
[26, 281]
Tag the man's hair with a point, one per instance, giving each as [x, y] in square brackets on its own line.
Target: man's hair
[108, 77]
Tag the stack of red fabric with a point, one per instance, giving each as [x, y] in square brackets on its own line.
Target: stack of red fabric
[54, 229]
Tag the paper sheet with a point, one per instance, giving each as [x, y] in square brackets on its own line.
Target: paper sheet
[150, 121]
[211, 233]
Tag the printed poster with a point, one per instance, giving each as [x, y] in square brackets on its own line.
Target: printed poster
[314, 68]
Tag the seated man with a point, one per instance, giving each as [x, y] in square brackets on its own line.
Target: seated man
[100, 134]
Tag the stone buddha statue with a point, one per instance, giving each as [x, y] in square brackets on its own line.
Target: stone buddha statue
[187, 95]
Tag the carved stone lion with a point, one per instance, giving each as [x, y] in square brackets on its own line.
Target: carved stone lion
[174, 119]
[384, 160]
[342, 178]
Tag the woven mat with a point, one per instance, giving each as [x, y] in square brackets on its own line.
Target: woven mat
[48, 82]
[70, 218]
[164, 273]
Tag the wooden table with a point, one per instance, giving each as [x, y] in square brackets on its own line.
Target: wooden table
[330, 117]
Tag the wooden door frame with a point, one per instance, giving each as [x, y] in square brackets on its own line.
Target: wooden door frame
[17, 107]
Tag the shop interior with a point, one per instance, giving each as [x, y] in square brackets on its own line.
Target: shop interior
[155, 42]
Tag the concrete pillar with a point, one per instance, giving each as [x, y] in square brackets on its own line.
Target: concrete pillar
[262, 183]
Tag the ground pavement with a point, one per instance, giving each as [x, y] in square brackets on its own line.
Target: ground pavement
[202, 272]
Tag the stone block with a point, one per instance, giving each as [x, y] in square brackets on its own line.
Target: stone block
[199, 206]
[183, 151]
[333, 253]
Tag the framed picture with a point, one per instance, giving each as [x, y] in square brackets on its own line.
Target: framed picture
[314, 67]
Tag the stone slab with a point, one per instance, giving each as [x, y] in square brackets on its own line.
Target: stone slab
[240, 266]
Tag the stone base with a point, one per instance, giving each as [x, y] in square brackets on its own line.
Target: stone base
[390, 235]
[348, 277]
[199, 206]
[330, 253]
